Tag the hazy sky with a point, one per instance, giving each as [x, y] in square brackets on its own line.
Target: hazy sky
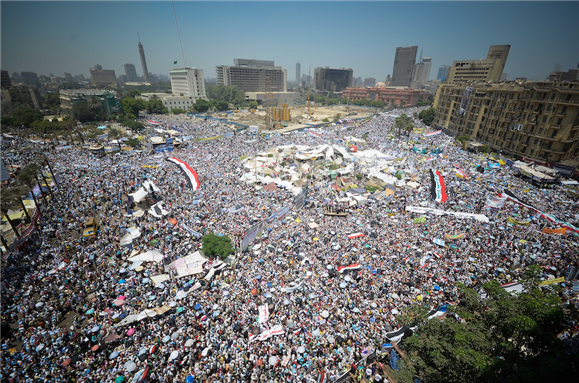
[58, 37]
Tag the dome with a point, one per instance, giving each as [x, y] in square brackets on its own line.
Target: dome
[380, 85]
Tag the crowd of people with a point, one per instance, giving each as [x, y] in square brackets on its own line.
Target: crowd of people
[65, 294]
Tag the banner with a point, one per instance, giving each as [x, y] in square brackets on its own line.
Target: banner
[263, 313]
[465, 100]
[495, 202]
[208, 138]
[193, 232]
[426, 210]
[433, 134]
[275, 330]
[300, 199]
[454, 237]
[438, 188]
[248, 237]
[516, 222]
[552, 281]
[559, 231]
[355, 266]
[420, 220]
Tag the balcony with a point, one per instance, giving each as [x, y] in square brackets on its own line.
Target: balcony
[556, 126]
[561, 114]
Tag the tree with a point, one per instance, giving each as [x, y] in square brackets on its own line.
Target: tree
[132, 93]
[219, 105]
[155, 106]
[253, 105]
[214, 246]
[325, 120]
[178, 111]
[27, 176]
[83, 113]
[229, 94]
[201, 105]
[427, 116]
[25, 117]
[461, 139]
[502, 338]
[116, 134]
[133, 142]
[404, 123]
[132, 106]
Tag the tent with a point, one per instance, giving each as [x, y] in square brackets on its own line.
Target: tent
[149, 256]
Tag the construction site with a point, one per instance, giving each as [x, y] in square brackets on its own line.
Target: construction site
[287, 118]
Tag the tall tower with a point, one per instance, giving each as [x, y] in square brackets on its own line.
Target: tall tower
[143, 60]
[298, 74]
[404, 62]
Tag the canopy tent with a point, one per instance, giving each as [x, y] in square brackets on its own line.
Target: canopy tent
[149, 256]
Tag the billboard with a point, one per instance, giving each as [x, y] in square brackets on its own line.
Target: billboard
[465, 100]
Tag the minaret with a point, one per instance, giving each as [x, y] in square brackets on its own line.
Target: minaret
[143, 60]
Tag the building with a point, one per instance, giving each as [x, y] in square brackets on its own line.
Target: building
[122, 79]
[422, 70]
[278, 98]
[6, 83]
[298, 72]
[108, 99]
[487, 70]
[370, 81]
[188, 82]
[391, 96]
[404, 63]
[253, 76]
[143, 61]
[170, 101]
[442, 72]
[570, 75]
[68, 77]
[504, 76]
[103, 77]
[131, 73]
[534, 120]
[333, 80]
[16, 78]
[29, 78]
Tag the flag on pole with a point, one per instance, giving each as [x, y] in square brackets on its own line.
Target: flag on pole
[174, 62]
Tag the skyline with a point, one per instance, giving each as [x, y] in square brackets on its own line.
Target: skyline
[58, 37]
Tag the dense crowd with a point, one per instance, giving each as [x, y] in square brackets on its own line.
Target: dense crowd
[61, 290]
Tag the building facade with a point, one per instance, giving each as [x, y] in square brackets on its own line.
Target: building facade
[188, 82]
[488, 70]
[422, 70]
[392, 96]
[6, 83]
[442, 72]
[68, 77]
[103, 77]
[538, 120]
[253, 76]
[29, 78]
[143, 62]
[298, 72]
[278, 98]
[131, 73]
[170, 101]
[333, 80]
[108, 99]
[404, 63]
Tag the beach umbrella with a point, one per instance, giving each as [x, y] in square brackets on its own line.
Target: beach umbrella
[114, 355]
[130, 366]
[166, 339]
[189, 343]
[131, 331]
[173, 355]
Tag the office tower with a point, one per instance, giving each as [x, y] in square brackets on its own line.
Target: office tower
[298, 72]
[488, 70]
[68, 77]
[253, 76]
[442, 72]
[131, 73]
[143, 61]
[29, 78]
[370, 81]
[6, 83]
[334, 80]
[188, 82]
[422, 70]
[404, 62]
[103, 77]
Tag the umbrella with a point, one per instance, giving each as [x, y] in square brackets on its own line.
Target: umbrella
[301, 349]
[273, 360]
[95, 347]
[119, 302]
[114, 355]
[95, 329]
[173, 355]
[142, 357]
[255, 330]
[394, 296]
[39, 304]
[237, 327]
[291, 325]
[373, 305]
[356, 310]
[120, 379]
[66, 362]
[39, 347]
[123, 316]
[145, 280]
[189, 343]
[331, 339]
[175, 335]
[91, 311]
[131, 331]
[343, 284]
[120, 283]
[197, 306]
[111, 337]
[166, 339]
[143, 351]
[348, 279]
[190, 379]
[317, 333]
[259, 362]
[395, 312]
[130, 366]
[325, 314]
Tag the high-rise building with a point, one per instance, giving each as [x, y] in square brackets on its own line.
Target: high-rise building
[29, 78]
[68, 77]
[188, 82]
[143, 61]
[422, 70]
[16, 77]
[103, 77]
[253, 76]
[370, 81]
[404, 62]
[488, 70]
[442, 72]
[298, 72]
[131, 73]
[570, 75]
[333, 80]
[537, 121]
[6, 83]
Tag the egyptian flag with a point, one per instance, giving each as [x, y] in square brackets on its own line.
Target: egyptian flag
[323, 378]
[355, 235]
[355, 266]
[192, 177]
[438, 188]
[153, 122]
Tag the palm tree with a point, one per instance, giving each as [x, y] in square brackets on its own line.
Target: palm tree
[27, 176]
[12, 197]
[116, 134]
[4, 207]
[93, 102]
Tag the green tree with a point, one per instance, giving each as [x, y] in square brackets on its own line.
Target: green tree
[132, 93]
[319, 99]
[201, 105]
[132, 106]
[502, 338]
[25, 117]
[229, 94]
[427, 116]
[219, 105]
[404, 123]
[325, 120]
[178, 111]
[253, 105]
[155, 106]
[83, 113]
[133, 142]
[461, 139]
[217, 246]
[116, 134]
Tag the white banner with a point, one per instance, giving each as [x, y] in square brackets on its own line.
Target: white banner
[275, 330]
[263, 313]
[425, 210]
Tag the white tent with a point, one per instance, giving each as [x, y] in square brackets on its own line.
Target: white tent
[139, 195]
[149, 256]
